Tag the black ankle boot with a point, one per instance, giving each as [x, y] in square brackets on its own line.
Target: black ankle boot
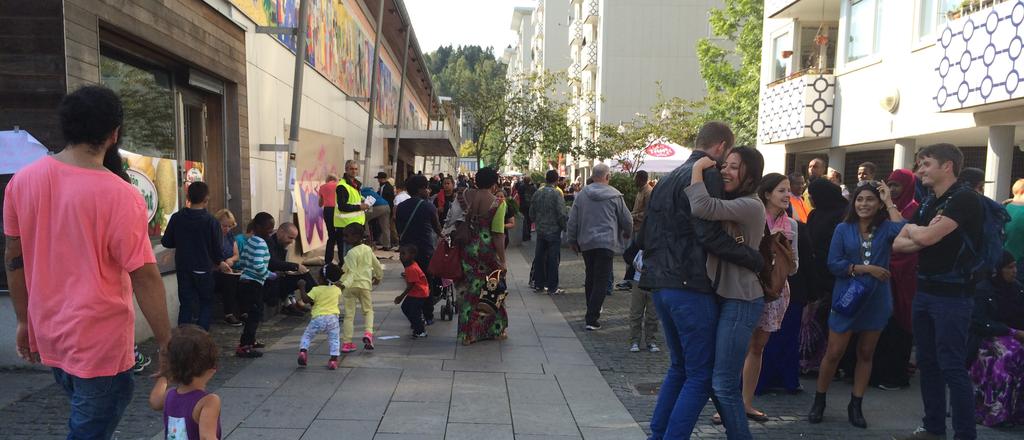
[818, 409]
[854, 412]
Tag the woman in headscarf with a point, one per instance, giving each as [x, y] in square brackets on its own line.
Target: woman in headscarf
[829, 209]
[892, 354]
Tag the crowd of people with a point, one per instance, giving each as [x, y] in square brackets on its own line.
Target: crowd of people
[754, 278]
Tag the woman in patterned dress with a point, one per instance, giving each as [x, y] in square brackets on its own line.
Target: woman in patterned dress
[997, 336]
[484, 254]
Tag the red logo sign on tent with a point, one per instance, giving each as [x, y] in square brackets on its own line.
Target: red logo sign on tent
[660, 150]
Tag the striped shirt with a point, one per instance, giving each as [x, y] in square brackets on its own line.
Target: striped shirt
[254, 260]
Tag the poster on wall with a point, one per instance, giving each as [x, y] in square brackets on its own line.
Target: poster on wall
[157, 181]
[194, 172]
[318, 154]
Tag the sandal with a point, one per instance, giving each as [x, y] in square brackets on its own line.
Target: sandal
[757, 416]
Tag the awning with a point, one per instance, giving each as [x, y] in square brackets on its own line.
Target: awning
[424, 142]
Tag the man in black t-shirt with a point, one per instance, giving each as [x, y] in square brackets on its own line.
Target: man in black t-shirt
[944, 300]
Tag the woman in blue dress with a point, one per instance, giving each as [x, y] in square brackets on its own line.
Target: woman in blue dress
[859, 257]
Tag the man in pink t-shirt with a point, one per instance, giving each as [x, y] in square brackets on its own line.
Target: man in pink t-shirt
[76, 247]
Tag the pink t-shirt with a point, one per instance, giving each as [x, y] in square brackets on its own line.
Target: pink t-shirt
[82, 231]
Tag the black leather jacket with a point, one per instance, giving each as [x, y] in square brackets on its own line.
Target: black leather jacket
[675, 244]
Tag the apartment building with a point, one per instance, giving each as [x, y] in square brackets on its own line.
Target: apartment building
[874, 80]
[620, 51]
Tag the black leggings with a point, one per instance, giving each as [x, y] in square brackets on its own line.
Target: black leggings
[227, 286]
[250, 296]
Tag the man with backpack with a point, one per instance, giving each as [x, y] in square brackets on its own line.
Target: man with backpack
[953, 242]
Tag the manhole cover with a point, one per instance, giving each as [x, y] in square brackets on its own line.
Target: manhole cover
[648, 388]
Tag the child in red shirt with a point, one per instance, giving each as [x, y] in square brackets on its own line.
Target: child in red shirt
[417, 293]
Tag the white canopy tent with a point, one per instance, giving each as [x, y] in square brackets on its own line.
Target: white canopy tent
[658, 157]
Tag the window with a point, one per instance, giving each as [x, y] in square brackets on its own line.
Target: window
[782, 51]
[865, 29]
[815, 52]
[932, 16]
[148, 107]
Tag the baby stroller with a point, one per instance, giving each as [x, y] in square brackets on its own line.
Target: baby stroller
[447, 298]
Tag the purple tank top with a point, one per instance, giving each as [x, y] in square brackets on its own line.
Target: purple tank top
[178, 422]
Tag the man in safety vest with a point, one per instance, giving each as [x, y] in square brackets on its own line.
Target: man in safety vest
[351, 208]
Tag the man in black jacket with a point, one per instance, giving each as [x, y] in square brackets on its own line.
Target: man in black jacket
[526, 188]
[288, 273]
[675, 246]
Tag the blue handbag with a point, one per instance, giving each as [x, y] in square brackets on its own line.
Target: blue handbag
[849, 301]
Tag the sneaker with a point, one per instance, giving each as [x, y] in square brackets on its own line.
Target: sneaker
[348, 347]
[623, 285]
[303, 357]
[635, 348]
[653, 348]
[247, 351]
[141, 361]
[332, 364]
[592, 327]
[419, 335]
[557, 292]
[889, 387]
[232, 321]
[368, 340]
[539, 289]
[920, 434]
[259, 344]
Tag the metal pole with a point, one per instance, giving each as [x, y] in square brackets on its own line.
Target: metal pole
[293, 132]
[401, 94]
[373, 90]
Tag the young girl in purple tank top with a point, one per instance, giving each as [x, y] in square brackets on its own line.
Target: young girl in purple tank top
[190, 413]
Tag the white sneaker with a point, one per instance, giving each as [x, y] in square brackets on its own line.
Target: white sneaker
[635, 348]
[653, 348]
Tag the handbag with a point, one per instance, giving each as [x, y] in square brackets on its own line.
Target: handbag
[447, 261]
[778, 264]
[492, 294]
[850, 300]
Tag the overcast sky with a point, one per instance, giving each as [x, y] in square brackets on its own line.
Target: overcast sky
[464, 22]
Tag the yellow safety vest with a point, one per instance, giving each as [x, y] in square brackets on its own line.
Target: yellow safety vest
[341, 218]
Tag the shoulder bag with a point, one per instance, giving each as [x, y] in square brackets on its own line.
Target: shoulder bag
[778, 263]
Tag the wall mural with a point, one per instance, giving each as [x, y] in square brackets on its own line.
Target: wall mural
[339, 46]
[317, 156]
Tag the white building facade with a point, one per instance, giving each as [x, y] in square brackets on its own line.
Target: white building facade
[620, 50]
[874, 80]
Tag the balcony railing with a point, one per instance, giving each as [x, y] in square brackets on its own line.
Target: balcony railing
[591, 11]
[590, 56]
[798, 109]
[575, 33]
[979, 61]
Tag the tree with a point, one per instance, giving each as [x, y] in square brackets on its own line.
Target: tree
[534, 121]
[732, 70]
[463, 72]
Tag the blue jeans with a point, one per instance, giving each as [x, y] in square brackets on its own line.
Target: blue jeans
[940, 333]
[195, 294]
[546, 256]
[97, 404]
[736, 322]
[689, 319]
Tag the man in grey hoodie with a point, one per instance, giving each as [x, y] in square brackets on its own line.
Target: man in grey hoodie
[599, 225]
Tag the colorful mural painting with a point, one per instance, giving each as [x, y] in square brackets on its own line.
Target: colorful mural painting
[339, 46]
[318, 155]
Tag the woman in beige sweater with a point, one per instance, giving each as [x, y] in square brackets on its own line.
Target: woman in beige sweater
[742, 214]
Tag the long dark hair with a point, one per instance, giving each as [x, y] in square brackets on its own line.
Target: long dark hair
[851, 213]
[751, 168]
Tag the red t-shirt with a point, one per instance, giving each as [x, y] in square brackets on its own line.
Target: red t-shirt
[82, 232]
[415, 277]
[328, 195]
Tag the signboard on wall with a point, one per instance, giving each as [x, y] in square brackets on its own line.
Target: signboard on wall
[317, 155]
[194, 172]
[157, 181]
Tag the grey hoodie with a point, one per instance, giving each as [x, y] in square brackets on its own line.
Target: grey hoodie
[599, 219]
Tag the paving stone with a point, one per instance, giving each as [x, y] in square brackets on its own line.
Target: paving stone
[265, 434]
[547, 419]
[285, 412]
[534, 391]
[471, 431]
[340, 429]
[364, 395]
[425, 418]
[479, 397]
[423, 389]
[626, 433]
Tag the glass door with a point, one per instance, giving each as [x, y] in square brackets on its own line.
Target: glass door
[194, 140]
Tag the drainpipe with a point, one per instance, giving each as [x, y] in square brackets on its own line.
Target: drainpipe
[373, 90]
[401, 95]
[293, 135]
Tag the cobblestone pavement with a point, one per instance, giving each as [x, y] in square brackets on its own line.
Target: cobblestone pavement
[887, 412]
[43, 412]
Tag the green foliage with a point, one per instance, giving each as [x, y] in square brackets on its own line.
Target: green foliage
[467, 149]
[538, 177]
[626, 185]
[732, 70]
